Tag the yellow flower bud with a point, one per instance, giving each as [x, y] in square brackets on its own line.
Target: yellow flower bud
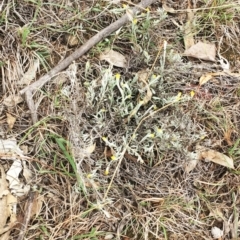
[106, 171]
[178, 96]
[159, 130]
[192, 93]
[135, 21]
[118, 75]
[104, 139]
[151, 135]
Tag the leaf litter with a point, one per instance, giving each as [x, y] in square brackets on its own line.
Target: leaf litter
[203, 51]
[10, 120]
[30, 74]
[114, 58]
[215, 156]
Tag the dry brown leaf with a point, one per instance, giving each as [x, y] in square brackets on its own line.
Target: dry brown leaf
[208, 76]
[7, 202]
[30, 74]
[12, 100]
[204, 51]
[114, 58]
[12, 202]
[72, 40]
[191, 165]
[168, 9]
[215, 156]
[5, 236]
[143, 75]
[37, 205]
[205, 78]
[10, 120]
[90, 149]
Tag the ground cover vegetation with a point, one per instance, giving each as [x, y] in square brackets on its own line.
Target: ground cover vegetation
[136, 139]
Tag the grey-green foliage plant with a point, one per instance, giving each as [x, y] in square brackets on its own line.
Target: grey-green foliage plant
[111, 99]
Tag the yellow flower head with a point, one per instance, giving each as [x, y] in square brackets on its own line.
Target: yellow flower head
[159, 130]
[89, 175]
[118, 75]
[104, 139]
[192, 93]
[106, 171]
[125, 6]
[135, 21]
[178, 96]
[147, 9]
[151, 135]
[113, 157]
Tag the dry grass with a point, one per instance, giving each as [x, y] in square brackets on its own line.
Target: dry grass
[85, 155]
